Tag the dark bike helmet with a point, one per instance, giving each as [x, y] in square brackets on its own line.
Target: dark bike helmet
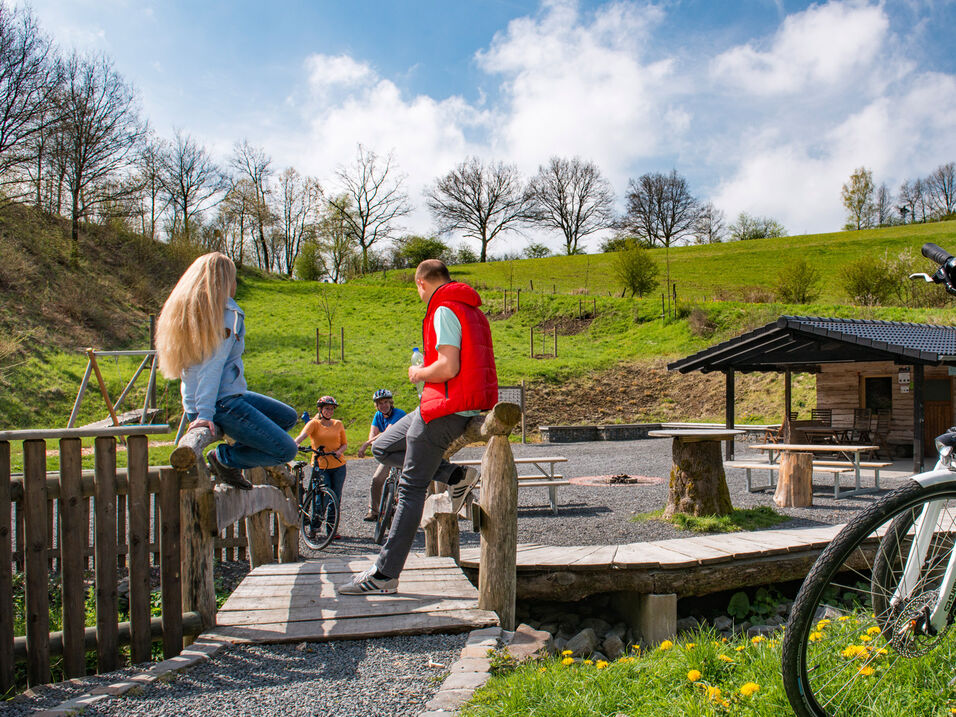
[381, 393]
[326, 401]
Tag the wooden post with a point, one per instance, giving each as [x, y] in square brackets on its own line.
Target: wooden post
[317, 346]
[138, 500]
[198, 523]
[35, 549]
[795, 483]
[99, 378]
[524, 435]
[499, 516]
[729, 418]
[448, 536]
[342, 342]
[555, 341]
[74, 525]
[107, 608]
[170, 562]
[6, 573]
[431, 539]
[257, 527]
[532, 342]
[918, 418]
[518, 300]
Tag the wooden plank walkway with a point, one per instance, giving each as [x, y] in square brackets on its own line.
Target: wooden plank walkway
[294, 602]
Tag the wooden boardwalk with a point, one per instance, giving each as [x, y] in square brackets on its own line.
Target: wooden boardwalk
[295, 602]
[685, 566]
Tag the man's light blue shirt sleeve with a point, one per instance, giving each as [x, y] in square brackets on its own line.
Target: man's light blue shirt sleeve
[447, 328]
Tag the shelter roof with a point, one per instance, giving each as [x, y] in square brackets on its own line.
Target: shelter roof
[803, 343]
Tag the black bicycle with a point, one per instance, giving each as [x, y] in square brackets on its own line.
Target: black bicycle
[386, 505]
[318, 507]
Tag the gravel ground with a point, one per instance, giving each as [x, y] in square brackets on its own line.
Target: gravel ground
[392, 675]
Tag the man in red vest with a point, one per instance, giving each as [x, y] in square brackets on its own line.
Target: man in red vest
[460, 381]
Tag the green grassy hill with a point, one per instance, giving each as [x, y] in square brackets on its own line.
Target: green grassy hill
[612, 351]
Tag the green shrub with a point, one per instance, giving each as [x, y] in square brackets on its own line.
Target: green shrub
[636, 269]
[869, 280]
[798, 283]
[309, 265]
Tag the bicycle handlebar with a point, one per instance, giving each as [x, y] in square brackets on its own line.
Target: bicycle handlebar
[936, 253]
[319, 453]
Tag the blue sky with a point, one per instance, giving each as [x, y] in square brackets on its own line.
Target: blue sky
[765, 106]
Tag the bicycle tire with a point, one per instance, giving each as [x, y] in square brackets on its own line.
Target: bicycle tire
[322, 530]
[386, 511]
[836, 660]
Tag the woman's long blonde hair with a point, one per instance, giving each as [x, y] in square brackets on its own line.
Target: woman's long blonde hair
[190, 326]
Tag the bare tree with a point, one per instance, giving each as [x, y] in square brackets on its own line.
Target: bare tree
[661, 210]
[375, 199]
[152, 198]
[29, 81]
[709, 226]
[254, 164]
[941, 189]
[335, 237]
[482, 201]
[191, 179]
[857, 196]
[571, 196]
[299, 203]
[236, 206]
[883, 204]
[98, 133]
[912, 198]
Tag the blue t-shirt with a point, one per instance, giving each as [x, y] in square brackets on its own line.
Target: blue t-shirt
[381, 423]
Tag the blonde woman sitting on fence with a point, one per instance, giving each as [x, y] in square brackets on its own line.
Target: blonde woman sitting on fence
[200, 338]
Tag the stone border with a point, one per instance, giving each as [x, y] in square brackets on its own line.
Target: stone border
[201, 650]
[473, 669]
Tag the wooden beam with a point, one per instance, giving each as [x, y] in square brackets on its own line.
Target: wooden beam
[729, 418]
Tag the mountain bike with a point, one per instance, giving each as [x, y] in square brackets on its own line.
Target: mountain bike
[871, 625]
[318, 507]
[386, 505]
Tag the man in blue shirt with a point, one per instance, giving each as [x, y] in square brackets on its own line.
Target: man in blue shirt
[385, 415]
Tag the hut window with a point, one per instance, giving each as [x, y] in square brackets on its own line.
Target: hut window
[878, 392]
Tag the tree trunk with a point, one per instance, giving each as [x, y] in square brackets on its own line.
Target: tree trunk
[795, 484]
[698, 485]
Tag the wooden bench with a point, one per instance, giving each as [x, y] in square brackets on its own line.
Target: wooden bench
[871, 465]
[544, 478]
[836, 471]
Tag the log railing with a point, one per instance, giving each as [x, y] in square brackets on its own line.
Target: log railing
[53, 526]
[497, 516]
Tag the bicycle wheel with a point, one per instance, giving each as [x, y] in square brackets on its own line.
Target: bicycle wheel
[848, 648]
[325, 518]
[311, 534]
[386, 510]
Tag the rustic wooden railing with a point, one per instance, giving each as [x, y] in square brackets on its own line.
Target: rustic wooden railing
[52, 526]
[496, 516]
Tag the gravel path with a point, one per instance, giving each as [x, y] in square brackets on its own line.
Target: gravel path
[392, 675]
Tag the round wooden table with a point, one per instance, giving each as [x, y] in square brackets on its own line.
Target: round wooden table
[698, 485]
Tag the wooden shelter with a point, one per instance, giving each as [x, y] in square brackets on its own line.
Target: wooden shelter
[859, 363]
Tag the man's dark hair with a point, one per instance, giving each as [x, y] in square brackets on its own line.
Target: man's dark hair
[432, 270]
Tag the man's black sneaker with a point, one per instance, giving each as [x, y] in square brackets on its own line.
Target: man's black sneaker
[230, 476]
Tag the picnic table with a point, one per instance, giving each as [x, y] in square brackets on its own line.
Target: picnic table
[830, 434]
[544, 477]
[698, 484]
[853, 452]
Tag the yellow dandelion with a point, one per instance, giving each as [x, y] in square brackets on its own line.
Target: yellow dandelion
[588, 662]
[713, 693]
[690, 645]
[815, 636]
[740, 648]
[865, 638]
[567, 661]
[882, 651]
[567, 652]
[822, 624]
[866, 671]
[749, 688]
[600, 664]
[666, 645]
[542, 669]
[843, 618]
[723, 640]
[874, 630]
[851, 651]
[694, 675]
[725, 658]
[757, 639]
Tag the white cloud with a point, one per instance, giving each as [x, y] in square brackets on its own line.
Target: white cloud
[814, 50]
[326, 71]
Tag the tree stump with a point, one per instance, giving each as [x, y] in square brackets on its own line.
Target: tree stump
[795, 483]
[698, 485]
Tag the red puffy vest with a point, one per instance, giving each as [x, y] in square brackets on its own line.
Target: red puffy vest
[476, 385]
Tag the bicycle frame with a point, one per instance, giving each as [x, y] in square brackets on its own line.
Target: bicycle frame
[924, 528]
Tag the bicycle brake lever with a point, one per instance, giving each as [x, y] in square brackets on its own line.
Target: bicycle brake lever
[925, 277]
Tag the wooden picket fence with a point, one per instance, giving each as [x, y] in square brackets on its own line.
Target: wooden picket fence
[46, 526]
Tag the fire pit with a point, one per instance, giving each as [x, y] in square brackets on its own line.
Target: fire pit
[619, 479]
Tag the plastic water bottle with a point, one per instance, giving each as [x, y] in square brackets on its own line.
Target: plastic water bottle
[418, 360]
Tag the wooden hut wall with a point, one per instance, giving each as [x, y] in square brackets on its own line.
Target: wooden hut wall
[840, 387]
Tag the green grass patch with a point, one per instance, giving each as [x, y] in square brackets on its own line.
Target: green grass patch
[702, 674]
[740, 519]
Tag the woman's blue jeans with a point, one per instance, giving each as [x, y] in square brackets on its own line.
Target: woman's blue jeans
[259, 426]
[335, 479]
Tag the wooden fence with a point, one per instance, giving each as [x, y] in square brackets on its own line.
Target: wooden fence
[45, 526]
